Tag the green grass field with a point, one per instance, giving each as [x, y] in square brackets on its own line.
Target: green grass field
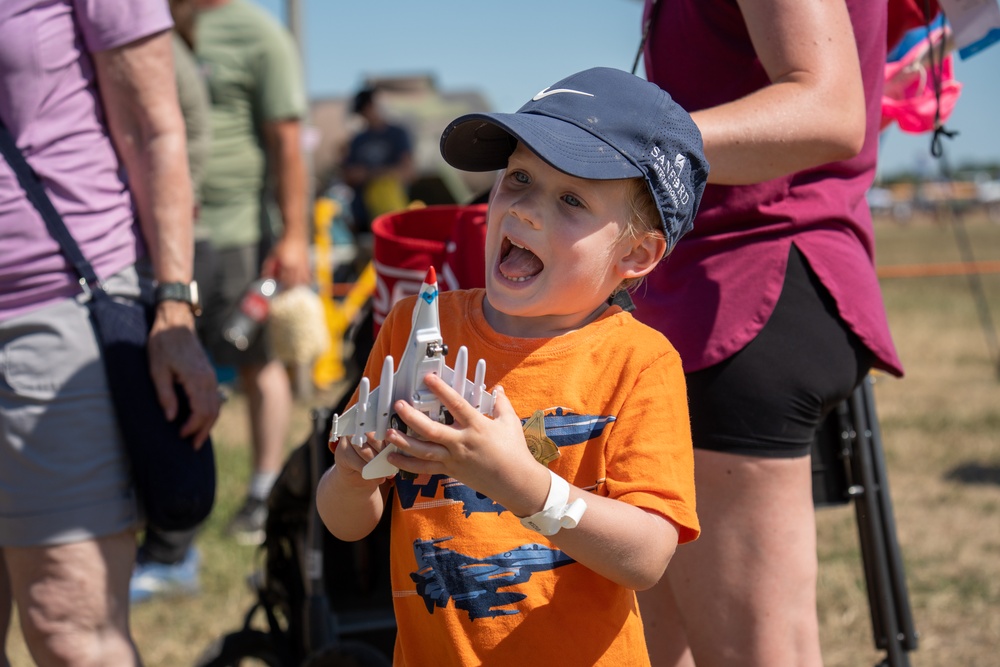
[941, 432]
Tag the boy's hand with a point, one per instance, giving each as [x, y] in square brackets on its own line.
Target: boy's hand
[349, 504]
[488, 455]
[350, 459]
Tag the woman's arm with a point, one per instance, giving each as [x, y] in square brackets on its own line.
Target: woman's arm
[814, 110]
[139, 95]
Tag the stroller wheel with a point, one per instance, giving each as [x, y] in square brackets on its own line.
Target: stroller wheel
[348, 654]
[245, 648]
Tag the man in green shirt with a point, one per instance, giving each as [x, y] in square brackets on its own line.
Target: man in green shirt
[166, 561]
[258, 101]
[254, 105]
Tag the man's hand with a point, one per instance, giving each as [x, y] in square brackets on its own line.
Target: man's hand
[176, 357]
[288, 262]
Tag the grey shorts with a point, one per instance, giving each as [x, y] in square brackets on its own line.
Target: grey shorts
[63, 470]
[223, 276]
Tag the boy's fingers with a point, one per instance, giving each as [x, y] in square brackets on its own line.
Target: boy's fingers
[414, 445]
[414, 465]
[354, 456]
[456, 404]
[502, 407]
[370, 444]
[421, 427]
[414, 455]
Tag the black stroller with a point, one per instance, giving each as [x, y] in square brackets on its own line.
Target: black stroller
[327, 603]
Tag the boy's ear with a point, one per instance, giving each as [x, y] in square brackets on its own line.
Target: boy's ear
[642, 256]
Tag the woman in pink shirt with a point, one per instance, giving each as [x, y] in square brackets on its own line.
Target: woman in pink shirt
[772, 302]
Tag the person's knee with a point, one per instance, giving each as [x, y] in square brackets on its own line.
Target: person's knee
[74, 645]
[55, 632]
[265, 378]
[74, 604]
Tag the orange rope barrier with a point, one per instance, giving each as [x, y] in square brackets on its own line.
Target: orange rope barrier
[942, 269]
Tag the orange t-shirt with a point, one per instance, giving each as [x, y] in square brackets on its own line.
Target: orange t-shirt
[471, 586]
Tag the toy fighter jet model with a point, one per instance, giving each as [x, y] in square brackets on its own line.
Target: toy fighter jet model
[425, 353]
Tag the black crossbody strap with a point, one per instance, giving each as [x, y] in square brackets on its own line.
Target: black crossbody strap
[32, 185]
[645, 33]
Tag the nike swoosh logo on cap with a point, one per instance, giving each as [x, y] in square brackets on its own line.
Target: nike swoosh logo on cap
[545, 93]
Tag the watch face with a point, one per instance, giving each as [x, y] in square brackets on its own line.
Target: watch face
[195, 297]
[185, 292]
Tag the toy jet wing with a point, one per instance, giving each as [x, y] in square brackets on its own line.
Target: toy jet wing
[424, 353]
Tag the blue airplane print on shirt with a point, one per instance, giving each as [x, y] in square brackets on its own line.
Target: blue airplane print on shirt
[409, 490]
[563, 427]
[474, 583]
[566, 428]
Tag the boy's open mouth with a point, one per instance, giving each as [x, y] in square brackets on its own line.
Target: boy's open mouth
[517, 263]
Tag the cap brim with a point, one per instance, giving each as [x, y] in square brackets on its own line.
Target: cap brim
[483, 142]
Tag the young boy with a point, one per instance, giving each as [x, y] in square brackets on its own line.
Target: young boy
[497, 557]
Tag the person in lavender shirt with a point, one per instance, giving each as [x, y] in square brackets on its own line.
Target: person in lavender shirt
[87, 91]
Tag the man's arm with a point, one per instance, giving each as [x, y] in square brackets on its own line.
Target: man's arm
[139, 93]
[289, 259]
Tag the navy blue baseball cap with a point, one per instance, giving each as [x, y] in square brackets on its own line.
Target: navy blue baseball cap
[600, 124]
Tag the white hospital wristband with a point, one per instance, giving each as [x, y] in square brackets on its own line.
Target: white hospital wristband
[556, 514]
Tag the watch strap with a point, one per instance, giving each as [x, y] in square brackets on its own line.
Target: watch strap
[185, 292]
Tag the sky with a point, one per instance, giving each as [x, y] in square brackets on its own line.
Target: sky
[510, 50]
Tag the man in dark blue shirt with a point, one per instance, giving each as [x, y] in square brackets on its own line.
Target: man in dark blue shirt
[379, 164]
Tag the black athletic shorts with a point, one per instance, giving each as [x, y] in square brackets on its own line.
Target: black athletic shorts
[768, 399]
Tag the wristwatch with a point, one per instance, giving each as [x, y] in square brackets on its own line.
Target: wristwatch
[186, 292]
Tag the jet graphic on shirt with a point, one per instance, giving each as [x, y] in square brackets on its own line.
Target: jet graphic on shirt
[473, 583]
[417, 492]
[567, 428]
[563, 427]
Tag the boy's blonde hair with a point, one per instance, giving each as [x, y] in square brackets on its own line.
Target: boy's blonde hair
[644, 220]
